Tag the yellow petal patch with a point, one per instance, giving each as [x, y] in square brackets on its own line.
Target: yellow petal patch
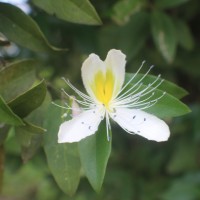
[103, 86]
[108, 87]
[98, 85]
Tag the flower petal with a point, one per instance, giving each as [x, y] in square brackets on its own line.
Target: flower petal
[83, 125]
[141, 123]
[93, 68]
[115, 62]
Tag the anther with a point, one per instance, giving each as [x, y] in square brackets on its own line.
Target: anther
[152, 66]
[134, 116]
[143, 62]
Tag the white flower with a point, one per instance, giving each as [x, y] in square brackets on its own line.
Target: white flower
[108, 98]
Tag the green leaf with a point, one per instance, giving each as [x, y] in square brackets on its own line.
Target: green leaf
[30, 136]
[63, 159]
[77, 11]
[166, 86]
[38, 116]
[184, 35]
[16, 78]
[29, 101]
[169, 3]
[166, 106]
[32, 128]
[22, 29]
[164, 35]
[28, 140]
[94, 153]
[7, 115]
[122, 10]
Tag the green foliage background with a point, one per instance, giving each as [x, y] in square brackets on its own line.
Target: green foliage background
[51, 42]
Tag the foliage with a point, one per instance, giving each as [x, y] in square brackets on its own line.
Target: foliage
[52, 41]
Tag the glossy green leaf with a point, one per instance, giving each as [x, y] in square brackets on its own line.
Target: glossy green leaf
[29, 101]
[29, 140]
[123, 9]
[16, 78]
[7, 116]
[63, 159]
[184, 35]
[164, 35]
[77, 11]
[169, 3]
[22, 29]
[38, 116]
[27, 132]
[166, 86]
[166, 106]
[94, 153]
[32, 128]
[30, 136]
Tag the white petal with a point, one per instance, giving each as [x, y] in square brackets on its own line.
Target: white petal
[116, 61]
[90, 67]
[83, 125]
[141, 123]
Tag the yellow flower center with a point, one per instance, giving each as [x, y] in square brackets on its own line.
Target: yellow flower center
[103, 86]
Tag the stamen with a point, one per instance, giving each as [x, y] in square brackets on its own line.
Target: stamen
[134, 85]
[64, 115]
[108, 127]
[55, 104]
[135, 98]
[141, 103]
[84, 103]
[133, 102]
[81, 94]
[124, 96]
[68, 107]
[149, 86]
[131, 78]
[153, 102]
